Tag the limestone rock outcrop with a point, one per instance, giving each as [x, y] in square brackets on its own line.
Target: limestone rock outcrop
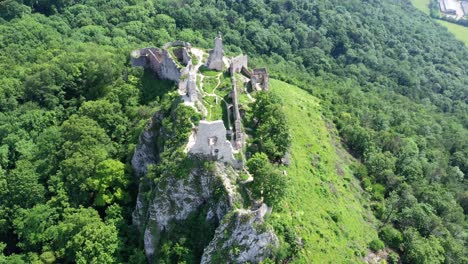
[242, 237]
[175, 199]
[145, 152]
[212, 190]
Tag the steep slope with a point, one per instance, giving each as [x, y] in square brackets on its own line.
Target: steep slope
[197, 211]
[324, 207]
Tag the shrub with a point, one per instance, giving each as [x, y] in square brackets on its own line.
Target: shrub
[391, 236]
[376, 245]
[393, 258]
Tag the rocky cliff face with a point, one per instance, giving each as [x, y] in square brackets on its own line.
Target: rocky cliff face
[175, 199]
[242, 237]
[210, 189]
[147, 151]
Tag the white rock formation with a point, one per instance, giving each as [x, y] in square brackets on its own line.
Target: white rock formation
[144, 154]
[252, 242]
[175, 199]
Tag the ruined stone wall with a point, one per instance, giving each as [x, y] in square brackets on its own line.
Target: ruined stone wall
[260, 79]
[182, 56]
[237, 117]
[159, 61]
[215, 60]
[154, 60]
[192, 90]
[210, 140]
[238, 63]
[168, 68]
[178, 43]
[138, 58]
[185, 56]
[246, 72]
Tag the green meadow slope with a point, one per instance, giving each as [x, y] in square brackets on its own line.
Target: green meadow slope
[324, 206]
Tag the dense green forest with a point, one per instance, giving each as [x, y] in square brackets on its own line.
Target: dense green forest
[394, 83]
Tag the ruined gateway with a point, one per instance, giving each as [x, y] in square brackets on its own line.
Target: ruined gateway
[172, 199]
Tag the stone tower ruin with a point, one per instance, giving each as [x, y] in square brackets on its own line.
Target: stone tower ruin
[215, 60]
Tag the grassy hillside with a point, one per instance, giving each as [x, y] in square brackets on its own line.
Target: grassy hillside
[324, 205]
[422, 5]
[460, 32]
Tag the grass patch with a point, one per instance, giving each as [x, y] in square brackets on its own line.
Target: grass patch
[194, 59]
[316, 191]
[209, 84]
[225, 85]
[422, 5]
[244, 99]
[460, 32]
[215, 111]
[207, 72]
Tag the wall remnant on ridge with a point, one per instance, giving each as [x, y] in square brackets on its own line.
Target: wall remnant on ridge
[260, 79]
[215, 60]
[238, 63]
[210, 141]
[192, 91]
[158, 60]
[238, 135]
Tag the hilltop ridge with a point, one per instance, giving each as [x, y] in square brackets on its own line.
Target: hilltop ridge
[207, 160]
[320, 184]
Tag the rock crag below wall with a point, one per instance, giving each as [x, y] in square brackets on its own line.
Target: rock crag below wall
[175, 199]
[246, 233]
[172, 199]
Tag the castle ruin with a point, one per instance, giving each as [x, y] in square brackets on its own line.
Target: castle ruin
[260, 79]
[210, 140]
[215, 60]
[174, 62]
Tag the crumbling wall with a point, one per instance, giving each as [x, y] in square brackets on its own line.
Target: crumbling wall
[210, 140]
[182, 56]
[215, 60]
[138, 58]
[168, 68]
[238, 63]
[178, 43]
[192, 90]
[260, 79]
[238, 136]
[159, 61]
